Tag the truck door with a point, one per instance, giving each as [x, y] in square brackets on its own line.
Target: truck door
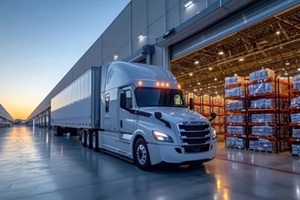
[127, 120]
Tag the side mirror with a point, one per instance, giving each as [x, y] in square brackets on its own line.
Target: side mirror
[122, 100]
[191, 104]
[212, 116]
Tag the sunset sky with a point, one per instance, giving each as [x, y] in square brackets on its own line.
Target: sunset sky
[41, 40]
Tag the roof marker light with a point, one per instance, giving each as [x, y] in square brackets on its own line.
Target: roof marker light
[140, 83]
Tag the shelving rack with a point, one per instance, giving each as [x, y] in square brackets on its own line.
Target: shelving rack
[268, 115]
[236, 115]
[294, 124]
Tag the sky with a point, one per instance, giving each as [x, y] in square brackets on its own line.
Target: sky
[41, 40]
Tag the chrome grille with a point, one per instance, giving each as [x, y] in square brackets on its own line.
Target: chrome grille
[195, 136]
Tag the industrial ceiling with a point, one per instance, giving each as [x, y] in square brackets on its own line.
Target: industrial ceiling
[273, 43]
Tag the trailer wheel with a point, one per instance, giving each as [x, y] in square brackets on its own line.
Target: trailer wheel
[83, 138]
[141, 155]
[95, 141]
[88, 140]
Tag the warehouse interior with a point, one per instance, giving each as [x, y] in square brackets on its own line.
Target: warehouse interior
[272, 43]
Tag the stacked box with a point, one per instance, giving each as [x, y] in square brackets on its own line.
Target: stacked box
[296, 82]
[206, 110]
[262, 74]
[295, 102]
[262, 88]
[235, 142]
[196, 99]
[296, 133]
[218, 100]
[234, 80]
[235, 92]
[296, 149]
[206, 99]
[237, 130]
[263, 130]
[235, 105]
[295, 118]
[262, 118]
[235, 118]
[262, 103]
[262, 145]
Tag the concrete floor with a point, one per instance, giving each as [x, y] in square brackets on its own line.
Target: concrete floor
[38, 165]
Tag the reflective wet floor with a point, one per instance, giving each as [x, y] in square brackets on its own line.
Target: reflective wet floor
[38, 165]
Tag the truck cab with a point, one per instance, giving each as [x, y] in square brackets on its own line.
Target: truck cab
[144, 117]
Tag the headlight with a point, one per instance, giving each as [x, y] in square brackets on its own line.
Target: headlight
[214, 133]
[161, 136]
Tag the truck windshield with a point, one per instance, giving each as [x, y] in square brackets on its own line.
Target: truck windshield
[159, 97]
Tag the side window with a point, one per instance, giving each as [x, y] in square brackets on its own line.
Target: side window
[128, 95]
[107, 103]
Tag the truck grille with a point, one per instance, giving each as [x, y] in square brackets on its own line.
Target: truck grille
[195, 136]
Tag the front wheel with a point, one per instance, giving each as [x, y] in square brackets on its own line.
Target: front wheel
[141, 155]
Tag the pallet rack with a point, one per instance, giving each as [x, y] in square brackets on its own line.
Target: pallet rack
[268, 115]
[236, 117]
[294, 124]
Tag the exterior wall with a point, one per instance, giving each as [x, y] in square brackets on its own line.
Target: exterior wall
[150, 18]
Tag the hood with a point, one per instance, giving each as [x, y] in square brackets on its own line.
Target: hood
[176, 115]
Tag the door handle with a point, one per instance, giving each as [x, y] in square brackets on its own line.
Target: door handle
[121, 123]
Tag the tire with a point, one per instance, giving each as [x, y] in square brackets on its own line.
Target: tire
[83, 138]
[141, 155]
[89, 140]
[95, 141]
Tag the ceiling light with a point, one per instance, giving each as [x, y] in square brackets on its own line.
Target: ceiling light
[198, 83]
[298, 69]
[241, 59]
[191, 74]
[287, 63]
[188, 4]
[283, 69]
[196, 62]
[115, 57]
[141, 37]
[210, 68]
[215, 79]
[221, 52]
[277, 32]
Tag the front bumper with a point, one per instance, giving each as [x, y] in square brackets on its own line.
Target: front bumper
[164, 153]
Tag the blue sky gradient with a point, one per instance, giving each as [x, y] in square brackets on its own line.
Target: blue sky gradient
[41, 40]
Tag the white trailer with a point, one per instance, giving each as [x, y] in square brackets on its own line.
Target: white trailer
[135, 111]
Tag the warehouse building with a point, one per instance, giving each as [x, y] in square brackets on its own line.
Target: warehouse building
[214, 48]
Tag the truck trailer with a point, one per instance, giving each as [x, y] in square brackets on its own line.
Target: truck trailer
[135, 111]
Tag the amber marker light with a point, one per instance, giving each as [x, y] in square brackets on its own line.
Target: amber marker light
[167, 84]
[140, 83]
[179, 87]
[157, 84]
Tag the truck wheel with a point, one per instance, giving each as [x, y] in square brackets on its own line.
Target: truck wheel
[141, 155]
[95, 141]
[88, 140]
[83, 139]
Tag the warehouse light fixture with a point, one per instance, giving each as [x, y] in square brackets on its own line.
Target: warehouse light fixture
[191, 74]
[287, 63]
[196, 62]
[215, 79]
[198, 83]
[241, 59]
[116, 57]
[298, 69]
[221, 52]
[188, 4]
[140, 37]
[277, 32]
[210, 68]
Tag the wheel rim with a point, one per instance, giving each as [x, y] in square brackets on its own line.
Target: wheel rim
[94, 141]
[141, 154]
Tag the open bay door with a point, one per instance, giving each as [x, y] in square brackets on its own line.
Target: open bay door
[127, 119]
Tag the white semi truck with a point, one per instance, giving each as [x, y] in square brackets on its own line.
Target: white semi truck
[135, 111]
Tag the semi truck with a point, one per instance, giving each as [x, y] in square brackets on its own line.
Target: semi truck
[135, 111]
